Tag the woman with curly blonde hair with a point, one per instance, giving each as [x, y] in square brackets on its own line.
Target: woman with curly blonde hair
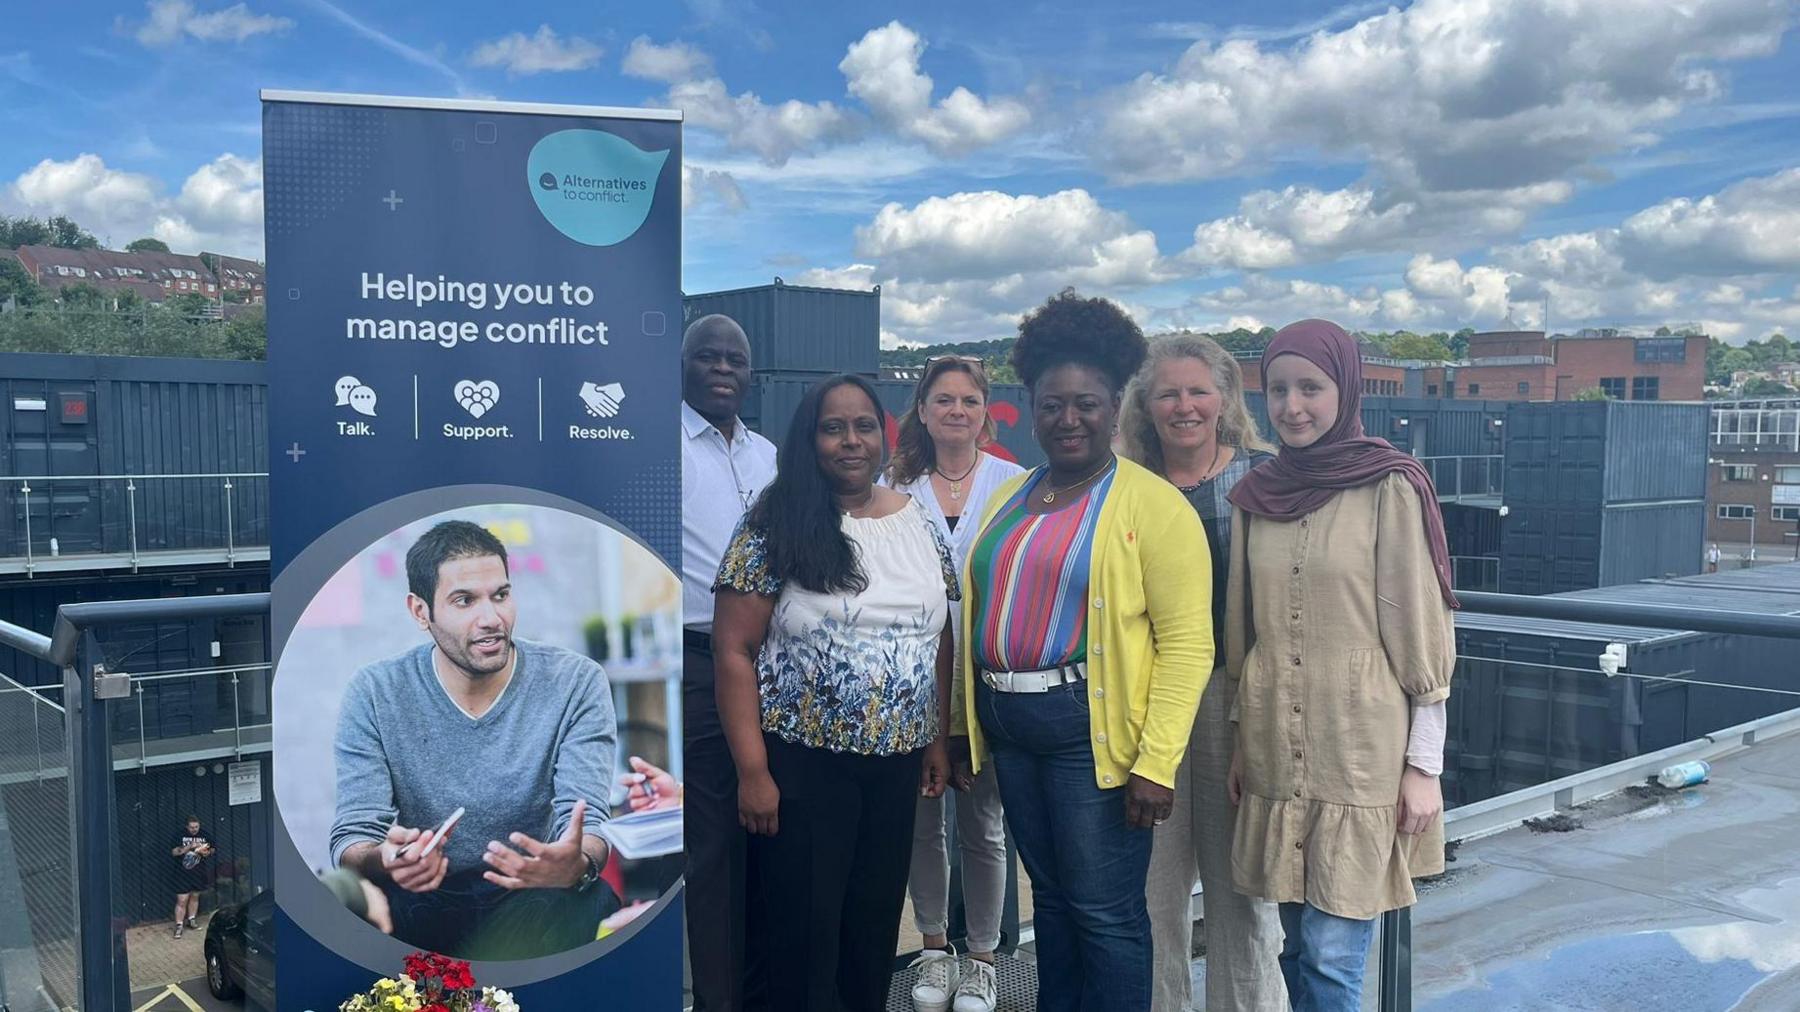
[1184, 418]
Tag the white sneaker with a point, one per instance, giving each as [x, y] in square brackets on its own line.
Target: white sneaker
[938, 977]
[979, 989]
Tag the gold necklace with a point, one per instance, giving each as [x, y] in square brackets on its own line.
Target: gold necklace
[956, 484]
[1050, 496]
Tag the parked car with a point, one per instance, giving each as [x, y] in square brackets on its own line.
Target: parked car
[240, 951]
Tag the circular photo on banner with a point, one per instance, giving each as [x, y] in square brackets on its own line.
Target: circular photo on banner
[473, 732]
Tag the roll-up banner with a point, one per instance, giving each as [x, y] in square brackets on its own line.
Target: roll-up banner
[474, 317]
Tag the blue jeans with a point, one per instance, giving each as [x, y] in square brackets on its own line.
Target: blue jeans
[1322, 958]
[1087, 865]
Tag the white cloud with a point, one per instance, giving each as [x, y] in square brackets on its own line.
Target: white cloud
[882, 69]
[169, 20]
[1747, 227]
[543, 52]
[1441, 95]
[774, 132]
[966, 266]
[219, 207]
[701, 186]
[669, 64]
[991, 235]
[1304, 225]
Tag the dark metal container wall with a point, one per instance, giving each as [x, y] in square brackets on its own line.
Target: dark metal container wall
[793, 328]
[1655, 451]
[1529, 705]
[151, 806]
[138, 650]
[143, 416]
[1520, 714]
[1640, 542]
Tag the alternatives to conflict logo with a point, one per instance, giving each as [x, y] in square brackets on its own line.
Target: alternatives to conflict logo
[594, 187]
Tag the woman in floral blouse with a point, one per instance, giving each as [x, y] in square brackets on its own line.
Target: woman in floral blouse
[833, 648]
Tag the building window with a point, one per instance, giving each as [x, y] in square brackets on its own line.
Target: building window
[1791, 514]
[1739, 472]
[1431, 389]
[1524, 388]
[1474, 390]
[1614, 387]
[1733, 511]
[1662, 349]
[1645, 388]
[1787, 475]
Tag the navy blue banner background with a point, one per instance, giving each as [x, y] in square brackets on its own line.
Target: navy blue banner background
[354, 189]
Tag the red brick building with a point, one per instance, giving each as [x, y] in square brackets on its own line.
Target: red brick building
[1527, 365]
[235, 274]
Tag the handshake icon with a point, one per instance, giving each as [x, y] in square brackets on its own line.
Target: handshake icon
[602, 401]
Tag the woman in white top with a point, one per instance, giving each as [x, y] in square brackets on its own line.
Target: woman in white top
[833, 647]
[939, 461]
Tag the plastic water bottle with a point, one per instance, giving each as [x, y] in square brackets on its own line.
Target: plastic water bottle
[1685, 774]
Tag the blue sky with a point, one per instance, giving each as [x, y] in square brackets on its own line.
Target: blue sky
[1426, 166]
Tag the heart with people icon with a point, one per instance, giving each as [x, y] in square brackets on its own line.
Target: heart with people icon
[477, 397]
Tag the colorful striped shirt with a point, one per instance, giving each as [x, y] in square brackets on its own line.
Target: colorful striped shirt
[1030, 577]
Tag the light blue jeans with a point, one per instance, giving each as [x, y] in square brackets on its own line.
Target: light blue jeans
[1322, 958]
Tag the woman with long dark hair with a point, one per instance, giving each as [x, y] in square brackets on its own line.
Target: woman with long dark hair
[1088, 641]
[939, 461]
[833, 646]
[1185, 418]
[1338, 631]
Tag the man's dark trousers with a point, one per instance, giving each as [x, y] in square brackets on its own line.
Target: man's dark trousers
[725, 962]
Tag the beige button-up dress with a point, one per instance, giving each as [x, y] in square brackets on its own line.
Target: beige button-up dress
[1335, 629]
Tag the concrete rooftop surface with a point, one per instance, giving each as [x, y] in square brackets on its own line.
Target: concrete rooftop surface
[1645, 900]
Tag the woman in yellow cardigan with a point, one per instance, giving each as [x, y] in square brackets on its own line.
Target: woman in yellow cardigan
[1088, 620]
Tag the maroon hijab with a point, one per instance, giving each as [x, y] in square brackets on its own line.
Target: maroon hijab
[1299, 481]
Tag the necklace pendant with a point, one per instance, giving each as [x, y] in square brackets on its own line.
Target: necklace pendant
[956, 490]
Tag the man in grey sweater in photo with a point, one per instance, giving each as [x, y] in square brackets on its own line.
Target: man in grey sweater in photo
[519, 736]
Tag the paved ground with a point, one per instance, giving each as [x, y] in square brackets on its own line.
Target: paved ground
[1683, 900]
[183, 996]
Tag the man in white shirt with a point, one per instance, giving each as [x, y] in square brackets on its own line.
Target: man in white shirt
[724, 467]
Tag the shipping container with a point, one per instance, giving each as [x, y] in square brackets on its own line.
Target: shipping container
[32, 605]
[121, 442]
[793, 328]
[1529, 704]
[1601, 493]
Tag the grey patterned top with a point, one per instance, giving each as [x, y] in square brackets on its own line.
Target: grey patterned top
[1208, 500]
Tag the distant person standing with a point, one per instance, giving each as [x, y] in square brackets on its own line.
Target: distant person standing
[191, 850]
[1712, 558]
[724, 467]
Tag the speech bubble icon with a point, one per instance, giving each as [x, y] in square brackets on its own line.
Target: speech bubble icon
[362, 400]
[343, 386]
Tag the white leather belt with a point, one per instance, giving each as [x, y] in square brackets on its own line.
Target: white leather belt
[1034, 681]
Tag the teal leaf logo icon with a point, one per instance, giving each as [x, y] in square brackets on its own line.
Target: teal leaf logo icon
[594, 187]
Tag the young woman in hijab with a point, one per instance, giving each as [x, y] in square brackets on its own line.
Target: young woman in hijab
[1338, 629]
[1185, 418]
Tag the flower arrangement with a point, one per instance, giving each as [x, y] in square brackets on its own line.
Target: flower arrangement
[431, 983]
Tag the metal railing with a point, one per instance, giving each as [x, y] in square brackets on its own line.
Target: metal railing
[136, 516]
[248, 729]
[101, 973]
[1475, 572]
[1467, 476]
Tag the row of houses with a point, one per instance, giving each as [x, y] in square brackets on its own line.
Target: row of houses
[150, 276]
